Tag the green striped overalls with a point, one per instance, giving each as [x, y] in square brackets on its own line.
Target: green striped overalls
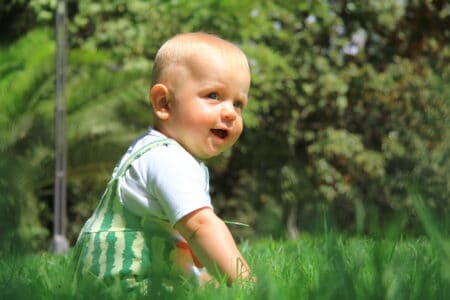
[116, 244]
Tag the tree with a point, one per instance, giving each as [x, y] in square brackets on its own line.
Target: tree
[102, 107]
[347, 108]
[26, 85]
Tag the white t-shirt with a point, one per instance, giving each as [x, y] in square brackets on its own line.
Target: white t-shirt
[166, 182]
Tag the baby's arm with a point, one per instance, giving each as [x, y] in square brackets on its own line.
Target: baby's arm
[212, 243]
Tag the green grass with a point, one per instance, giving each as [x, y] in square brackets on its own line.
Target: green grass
[327, 267]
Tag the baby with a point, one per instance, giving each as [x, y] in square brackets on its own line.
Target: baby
[156, 213]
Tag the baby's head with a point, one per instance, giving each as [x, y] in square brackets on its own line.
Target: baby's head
[200, 86]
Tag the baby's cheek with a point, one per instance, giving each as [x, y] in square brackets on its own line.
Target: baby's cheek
[238, 130]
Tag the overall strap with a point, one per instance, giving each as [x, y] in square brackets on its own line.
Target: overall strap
[124, 166]
[110, 208]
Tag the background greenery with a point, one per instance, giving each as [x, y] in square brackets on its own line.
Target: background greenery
[348, 117]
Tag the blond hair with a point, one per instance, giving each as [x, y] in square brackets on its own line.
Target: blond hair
[186, 45]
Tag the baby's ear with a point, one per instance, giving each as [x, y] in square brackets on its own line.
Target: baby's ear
[159, 98]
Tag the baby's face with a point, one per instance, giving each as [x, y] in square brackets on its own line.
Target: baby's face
[209, 94]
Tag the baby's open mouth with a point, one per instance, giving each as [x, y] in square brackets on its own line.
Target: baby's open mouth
[221, 133]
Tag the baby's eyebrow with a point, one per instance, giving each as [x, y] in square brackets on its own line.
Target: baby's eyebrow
[214, 87]
[215, 84]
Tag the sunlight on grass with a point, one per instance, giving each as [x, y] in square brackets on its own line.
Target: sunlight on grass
[332, 267]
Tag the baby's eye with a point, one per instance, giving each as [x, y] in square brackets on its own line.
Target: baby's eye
[213, 96]
[238, 104]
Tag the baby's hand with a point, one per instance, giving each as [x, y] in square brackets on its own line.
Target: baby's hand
[182, 258]
[185, 262]
[212, 242]
[184, 248]
[204, 278]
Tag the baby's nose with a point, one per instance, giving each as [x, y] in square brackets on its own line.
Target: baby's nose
[228, 112]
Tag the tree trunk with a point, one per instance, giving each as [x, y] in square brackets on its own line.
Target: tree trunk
[291, 213]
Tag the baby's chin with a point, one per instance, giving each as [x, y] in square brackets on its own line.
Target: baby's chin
[211, 153]
[207, 156]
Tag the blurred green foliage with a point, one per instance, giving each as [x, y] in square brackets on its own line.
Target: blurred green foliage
[349, 106]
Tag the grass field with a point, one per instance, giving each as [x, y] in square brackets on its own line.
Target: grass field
[326, 267]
